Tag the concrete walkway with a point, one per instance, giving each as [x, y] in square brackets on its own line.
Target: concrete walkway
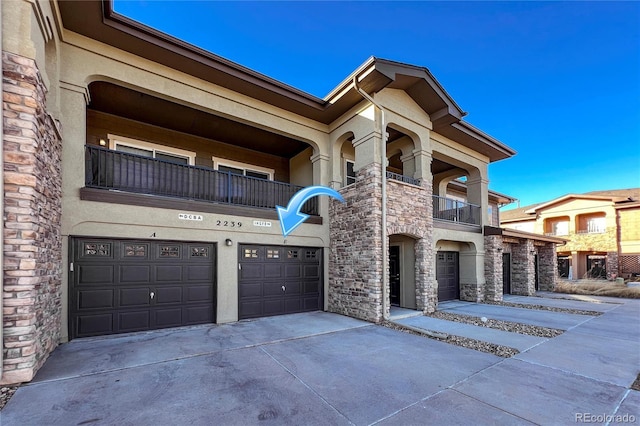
[321, 368]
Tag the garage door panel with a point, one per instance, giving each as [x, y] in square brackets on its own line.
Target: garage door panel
[165, 295]
[199, 293]
[311, 304]
[199, 273]
[169, 273]
[250, 309]
[273, 270]
[134, 320]
[293, 306]
[292, 287]
[93, 325]
[95, 274]
[95, 299]
[272, 288]
[139, 296]
[168, 317]
[272, 306]
[197, 315]
[250, 271]
[250, 290]
[311, 271]
[311, 287]
[135, 274]
[111, 288]
[293, 271]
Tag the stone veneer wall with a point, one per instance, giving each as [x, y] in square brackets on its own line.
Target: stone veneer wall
[32, 240]
[410, 212]
[493, 248]
[612, 263]
[523, 268]
[355, 258]
[547, 267]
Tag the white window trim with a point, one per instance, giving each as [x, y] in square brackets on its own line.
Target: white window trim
[244, 166]
[344, 168]
[115, 140]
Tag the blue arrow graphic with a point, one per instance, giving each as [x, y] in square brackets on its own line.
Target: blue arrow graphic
[291, 218]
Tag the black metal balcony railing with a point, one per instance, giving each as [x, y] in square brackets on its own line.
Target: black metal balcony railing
[403, 178]
[455, 211]
[108, 169]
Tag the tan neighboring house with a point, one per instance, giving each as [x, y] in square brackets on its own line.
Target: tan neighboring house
[602, 229]
[141, 176]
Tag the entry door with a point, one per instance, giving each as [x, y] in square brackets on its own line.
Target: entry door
[563, 266]
[447, 275]
[506, 273]
[394, 275]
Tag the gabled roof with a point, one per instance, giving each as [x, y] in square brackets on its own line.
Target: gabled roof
[620, 197]
[96, 19]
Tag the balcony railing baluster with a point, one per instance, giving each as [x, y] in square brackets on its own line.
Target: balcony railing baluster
[108, 169]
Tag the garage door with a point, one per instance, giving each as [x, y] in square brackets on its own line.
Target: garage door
[119, 286]
[447, 275]
[276, 280]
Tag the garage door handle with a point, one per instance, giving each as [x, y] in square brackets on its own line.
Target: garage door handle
[283, 288]
[152, 294]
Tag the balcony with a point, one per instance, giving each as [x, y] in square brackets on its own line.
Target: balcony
[120, 171]
[456, 211]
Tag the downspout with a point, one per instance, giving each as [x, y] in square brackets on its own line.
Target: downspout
[383, 166]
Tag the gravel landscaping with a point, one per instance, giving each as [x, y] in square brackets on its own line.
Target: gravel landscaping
[465, 342]
[514, 327]
[6, 392]
[547, 308]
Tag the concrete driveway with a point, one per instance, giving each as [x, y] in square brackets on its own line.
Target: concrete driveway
[322, 368]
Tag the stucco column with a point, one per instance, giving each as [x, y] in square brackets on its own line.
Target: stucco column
[478, 193]
[367, 150]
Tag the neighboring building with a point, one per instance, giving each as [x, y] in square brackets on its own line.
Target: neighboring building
[602, 229]
[141, 176]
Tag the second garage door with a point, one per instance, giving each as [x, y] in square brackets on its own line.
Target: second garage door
[276, 280]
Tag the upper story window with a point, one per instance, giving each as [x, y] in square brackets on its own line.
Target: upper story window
[557, 226]
[151, 150]
[242, 169]
[349, 172]
[595, 223]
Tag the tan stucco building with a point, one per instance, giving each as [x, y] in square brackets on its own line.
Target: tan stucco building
[602, 229]
[141, 176]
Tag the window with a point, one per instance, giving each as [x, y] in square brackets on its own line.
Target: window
[596, 225]
[560, 228]
[151, 150]
[242, 169]
[349, 173]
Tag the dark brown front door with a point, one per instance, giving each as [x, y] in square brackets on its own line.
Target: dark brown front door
[394, 275]
[276, 280]
[118, 286]
[447, 275]
[506, 273]
[563, 266]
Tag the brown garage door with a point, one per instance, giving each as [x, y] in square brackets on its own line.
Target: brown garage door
[276, 280]
[447, 275]
[119, 286]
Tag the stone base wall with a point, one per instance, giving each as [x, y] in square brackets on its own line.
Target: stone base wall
[32, 240]
[493, 249]
[355, 258]
[547, 267]
[410, 212]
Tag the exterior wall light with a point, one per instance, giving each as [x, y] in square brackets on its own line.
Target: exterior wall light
[228, 242]
[103, 142]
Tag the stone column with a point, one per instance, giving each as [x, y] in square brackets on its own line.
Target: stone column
[33, 206]
[547, 267]
[612, 264]
[522, 268]
[493, 268]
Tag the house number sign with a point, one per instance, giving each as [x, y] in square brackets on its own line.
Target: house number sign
[190, 216]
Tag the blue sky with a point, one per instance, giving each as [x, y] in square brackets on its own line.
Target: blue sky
[557, 81]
